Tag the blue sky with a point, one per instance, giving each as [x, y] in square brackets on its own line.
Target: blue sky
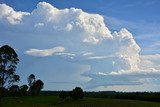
[133, 10]
[88, 62]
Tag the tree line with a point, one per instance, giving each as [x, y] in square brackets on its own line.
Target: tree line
[8, 64]
[8, 77]
[75, 94]
[33, 88]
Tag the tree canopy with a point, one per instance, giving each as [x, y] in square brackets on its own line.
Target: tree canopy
[36, 87]
[31, 79]
[77, 93]
[8, 61]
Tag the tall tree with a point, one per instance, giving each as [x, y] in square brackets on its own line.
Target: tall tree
[31, 79]
[8, 61]
[36, 87]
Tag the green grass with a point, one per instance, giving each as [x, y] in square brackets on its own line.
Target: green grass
[54, 101]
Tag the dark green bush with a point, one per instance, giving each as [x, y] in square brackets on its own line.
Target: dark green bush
[77, 93]
[63, 95]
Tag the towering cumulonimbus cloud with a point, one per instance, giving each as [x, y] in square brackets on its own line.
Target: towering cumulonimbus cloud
[8, 14]
[81, 38]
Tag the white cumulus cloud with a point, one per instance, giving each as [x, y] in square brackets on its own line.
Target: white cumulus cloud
[10, 15]
[113, 57]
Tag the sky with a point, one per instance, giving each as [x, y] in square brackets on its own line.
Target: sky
[95, 44]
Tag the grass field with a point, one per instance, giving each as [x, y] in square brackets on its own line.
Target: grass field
[54, 101]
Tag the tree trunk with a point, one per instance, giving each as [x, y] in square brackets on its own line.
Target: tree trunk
[0, 97]
[2, 88]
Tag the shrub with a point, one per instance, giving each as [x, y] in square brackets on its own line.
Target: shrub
[14, 90]
[63, 95]
[77, 93]
[23, 90]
